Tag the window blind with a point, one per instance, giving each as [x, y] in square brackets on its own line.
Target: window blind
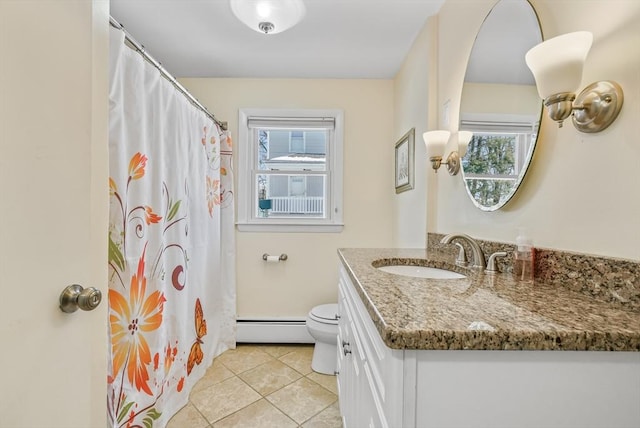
[291, 122]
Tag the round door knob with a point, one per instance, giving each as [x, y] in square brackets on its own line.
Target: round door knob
[75, 296]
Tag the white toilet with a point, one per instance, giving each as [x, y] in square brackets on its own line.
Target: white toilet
[322, 324]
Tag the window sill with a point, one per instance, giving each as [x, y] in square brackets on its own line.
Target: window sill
[290, 228]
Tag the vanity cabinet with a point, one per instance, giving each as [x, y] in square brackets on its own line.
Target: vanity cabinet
[404, 388]
[370, 377]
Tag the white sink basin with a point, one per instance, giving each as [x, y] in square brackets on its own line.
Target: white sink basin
[421, 272]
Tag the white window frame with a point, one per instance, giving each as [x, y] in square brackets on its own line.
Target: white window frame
[248, 221]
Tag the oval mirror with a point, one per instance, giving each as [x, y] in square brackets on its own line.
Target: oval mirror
[500, 105]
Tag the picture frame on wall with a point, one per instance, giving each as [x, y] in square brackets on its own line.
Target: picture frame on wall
[405, 161]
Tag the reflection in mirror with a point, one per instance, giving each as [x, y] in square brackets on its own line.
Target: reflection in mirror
[500, 105]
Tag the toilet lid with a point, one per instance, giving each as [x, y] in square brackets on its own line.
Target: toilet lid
[325, 313]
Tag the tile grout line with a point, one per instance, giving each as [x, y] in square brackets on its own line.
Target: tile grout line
[262, 397]
[272, 357]
[241, 380]
[313, 416]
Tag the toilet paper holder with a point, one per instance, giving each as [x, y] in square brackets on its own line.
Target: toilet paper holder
[281, 258]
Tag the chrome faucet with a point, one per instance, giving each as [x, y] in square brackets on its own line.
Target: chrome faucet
[478, 255]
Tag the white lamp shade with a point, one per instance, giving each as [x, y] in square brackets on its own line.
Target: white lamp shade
[283, 14]
[557, 63]
[435, 142]
[463, 141]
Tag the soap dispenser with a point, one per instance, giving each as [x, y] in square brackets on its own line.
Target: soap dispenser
[523, 258]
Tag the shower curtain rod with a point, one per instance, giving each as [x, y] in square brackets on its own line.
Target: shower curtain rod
[140, 48]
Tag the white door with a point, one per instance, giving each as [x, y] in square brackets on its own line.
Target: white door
[53, 211]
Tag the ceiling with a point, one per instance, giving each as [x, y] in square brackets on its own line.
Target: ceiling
[336, 39]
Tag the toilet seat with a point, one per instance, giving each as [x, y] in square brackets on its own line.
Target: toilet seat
[325, 314]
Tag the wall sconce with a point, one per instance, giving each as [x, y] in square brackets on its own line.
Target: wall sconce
[268, 16]
[557, 66]
[436, 142]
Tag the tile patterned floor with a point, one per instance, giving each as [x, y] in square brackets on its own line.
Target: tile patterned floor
[262, 386]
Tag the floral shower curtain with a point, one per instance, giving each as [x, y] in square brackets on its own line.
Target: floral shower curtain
[171, 245]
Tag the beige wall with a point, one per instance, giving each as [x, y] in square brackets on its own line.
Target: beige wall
[581, 192]
[570, 199]
[54, 209]
[413, 101]
[309, 277]
[505, 99]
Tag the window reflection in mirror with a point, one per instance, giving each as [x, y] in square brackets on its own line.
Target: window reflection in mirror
[493, 163]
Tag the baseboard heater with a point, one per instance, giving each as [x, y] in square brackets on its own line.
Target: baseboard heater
[272, 330]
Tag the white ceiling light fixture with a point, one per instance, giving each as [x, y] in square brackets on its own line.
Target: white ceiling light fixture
[268, 16]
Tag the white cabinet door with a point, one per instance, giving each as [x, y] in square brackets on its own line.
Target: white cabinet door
[345, 368]
[53, 211]
[371, 373]
[352, 384]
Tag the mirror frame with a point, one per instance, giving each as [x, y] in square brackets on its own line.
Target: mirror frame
[529, 157]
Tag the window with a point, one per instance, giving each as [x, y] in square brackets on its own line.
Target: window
[296, 141]
[290, 176]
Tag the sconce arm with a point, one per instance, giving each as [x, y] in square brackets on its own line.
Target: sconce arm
[452, 163]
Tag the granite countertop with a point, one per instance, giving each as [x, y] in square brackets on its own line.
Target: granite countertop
[450, 314]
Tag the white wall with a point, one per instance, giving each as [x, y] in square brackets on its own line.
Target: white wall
[581, 192]
[309, 277]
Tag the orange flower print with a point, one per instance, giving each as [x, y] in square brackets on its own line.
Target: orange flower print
[137, 165]
[169, 358]
[150, 216]
[132, 416]
[213, 194]
[112, 186]
[156, 361]
[130, 320]
[204, 140]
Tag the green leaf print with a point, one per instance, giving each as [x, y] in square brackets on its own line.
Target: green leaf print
[124, 411]
[115, 255]
[173, 211]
